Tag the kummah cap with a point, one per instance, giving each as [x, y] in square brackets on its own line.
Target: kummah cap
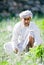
[26, 14]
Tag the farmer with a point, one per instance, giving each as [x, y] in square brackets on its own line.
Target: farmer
[25, 34]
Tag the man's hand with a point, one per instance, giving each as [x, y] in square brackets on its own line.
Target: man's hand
[16, 50]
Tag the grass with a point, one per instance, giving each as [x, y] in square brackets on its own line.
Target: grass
[5, 36]
[4, 63]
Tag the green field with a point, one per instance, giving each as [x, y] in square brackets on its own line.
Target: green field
[30, 58]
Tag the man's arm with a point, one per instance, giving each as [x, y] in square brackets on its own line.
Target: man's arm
[14, 39]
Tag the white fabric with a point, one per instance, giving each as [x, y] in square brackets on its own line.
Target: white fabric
[8, 47]
[25, 14]
[21, 35]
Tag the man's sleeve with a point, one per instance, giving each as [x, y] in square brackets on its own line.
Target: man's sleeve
[14, 39]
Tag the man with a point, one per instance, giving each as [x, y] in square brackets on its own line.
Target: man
[25, 33]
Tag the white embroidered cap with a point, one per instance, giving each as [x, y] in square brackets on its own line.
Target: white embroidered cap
[26, 14]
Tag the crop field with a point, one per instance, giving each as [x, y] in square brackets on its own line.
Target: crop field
[34, 57]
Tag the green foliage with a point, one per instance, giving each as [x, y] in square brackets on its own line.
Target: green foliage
[29, 58]
[37, 51]
[18, 63]
[40, 24]
[4, 63]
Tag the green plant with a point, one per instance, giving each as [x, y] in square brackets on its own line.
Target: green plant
[4, 63]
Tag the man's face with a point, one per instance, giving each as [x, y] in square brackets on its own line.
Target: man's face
[26, 21]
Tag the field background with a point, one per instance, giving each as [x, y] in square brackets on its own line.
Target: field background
[9, 12]
[6, 28]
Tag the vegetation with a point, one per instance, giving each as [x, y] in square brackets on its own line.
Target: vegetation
[34, 57]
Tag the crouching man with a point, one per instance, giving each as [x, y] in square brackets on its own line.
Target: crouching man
[25, 34]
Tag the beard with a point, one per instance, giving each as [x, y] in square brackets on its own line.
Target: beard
[26, 24]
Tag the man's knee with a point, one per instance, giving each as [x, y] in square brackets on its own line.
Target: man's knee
[8, 47]
[31, 41]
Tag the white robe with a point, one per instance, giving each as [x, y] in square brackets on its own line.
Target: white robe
[21, 35]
